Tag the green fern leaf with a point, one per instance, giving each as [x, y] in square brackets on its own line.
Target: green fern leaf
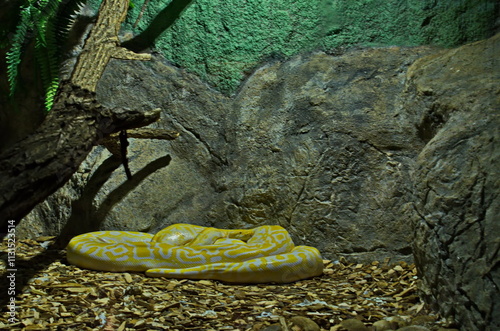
[14, 54]
[51, 93]
[41, 19]
[49, 70]
[47, 13]
[52, 79]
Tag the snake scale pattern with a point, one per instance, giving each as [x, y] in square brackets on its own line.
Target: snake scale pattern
[260, 255]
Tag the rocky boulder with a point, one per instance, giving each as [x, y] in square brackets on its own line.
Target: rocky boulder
[359, 154]
[457, 231]
[320, 144]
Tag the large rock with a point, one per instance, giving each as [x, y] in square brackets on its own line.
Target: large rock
[457, 182]
[356, 154]
[353, 153]
[320, 144]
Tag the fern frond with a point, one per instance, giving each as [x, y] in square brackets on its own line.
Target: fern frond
[50, 94]
[14, 54]
[48, 11]
[41, 19]
[54, 62]
[48, 62]
[53, 51]
[66, 16]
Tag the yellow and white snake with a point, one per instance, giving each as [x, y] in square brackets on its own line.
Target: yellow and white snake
[260, 255]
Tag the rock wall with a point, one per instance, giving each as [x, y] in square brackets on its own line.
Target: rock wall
[457, 182]
[320, 144]
[370, 154]
[221, 41]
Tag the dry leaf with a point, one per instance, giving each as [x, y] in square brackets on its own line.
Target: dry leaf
[64, 297]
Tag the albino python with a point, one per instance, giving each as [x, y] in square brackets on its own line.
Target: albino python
[260, 255]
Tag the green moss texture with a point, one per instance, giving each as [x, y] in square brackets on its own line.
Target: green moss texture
[222, 40]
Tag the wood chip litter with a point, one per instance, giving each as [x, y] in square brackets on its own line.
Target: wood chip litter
[53, 295]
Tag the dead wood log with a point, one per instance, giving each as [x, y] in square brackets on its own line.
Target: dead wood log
[37, 166]
[112, 142]
[40, 164]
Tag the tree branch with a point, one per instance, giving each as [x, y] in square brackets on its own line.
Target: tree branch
[102, 44]
[112, 142]
[40, 164]
[37, 166]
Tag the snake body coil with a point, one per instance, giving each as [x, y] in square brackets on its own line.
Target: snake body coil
[260, 255]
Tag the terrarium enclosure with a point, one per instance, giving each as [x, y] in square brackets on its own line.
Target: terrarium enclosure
[367, 129]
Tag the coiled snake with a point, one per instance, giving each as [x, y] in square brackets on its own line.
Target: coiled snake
[260, 255]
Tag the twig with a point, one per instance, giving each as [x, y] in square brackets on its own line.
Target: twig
[123, 149]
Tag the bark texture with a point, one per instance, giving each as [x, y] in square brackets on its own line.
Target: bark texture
[38, 165]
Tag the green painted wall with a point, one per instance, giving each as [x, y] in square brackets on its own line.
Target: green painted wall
[221, 40]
